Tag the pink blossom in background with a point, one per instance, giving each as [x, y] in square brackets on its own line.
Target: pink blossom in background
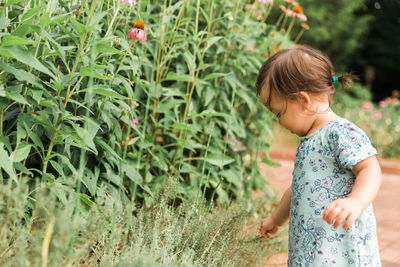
[266, 54]
[131, 2]
[135, 121]
[376, 114]
[138, 34]
[302, 17]
[383, 104]
[284, 9]
[292, 2]
[266, 2]
[367, 105]
[291, 13]
[395, 100]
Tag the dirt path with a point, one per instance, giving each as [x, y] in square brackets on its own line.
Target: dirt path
[386, 204]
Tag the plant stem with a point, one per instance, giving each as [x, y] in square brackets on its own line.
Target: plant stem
[291, 25]
[279, 20]
[112, 20]
[284, 22]
[299, 35]
[58, 124]
[268, 11]
[159, 60]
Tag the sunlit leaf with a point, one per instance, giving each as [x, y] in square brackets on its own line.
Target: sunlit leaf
[25, 57]
[219, 160]
[6, 163]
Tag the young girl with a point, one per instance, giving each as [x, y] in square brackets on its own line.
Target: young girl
[336, 173]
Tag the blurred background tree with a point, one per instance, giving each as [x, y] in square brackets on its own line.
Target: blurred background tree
[362, 36]
[379, 53]
[336, 28]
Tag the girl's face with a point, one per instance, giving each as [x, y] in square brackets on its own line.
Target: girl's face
[291, 114]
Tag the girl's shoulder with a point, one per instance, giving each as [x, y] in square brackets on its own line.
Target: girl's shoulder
[343, 129]
[349, 143]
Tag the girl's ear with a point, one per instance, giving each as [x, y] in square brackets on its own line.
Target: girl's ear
[305, 97]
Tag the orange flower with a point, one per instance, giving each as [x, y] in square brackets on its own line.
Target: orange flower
[298, 9]
[139, 24]
[305, 26]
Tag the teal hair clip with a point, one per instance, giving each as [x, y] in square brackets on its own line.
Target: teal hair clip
[335, 79]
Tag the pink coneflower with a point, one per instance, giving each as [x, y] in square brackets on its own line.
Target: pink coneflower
[367, 105]
[135, 121]
[266, 2]
[291, 13]
[131, 2]
[376, 114]
[292, 2]
[137, 32]
[302, 17]
[283, 8]
[298, 12]
[383, 104]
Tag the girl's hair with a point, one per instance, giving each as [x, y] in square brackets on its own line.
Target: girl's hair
[299, 68]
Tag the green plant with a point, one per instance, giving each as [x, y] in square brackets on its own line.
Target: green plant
[112, 233]
[84, 107]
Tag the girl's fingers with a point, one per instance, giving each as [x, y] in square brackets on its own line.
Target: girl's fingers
[350, 220]
[328, 210]
[340, 218]
[332, 214]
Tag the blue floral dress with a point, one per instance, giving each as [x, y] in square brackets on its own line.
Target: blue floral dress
[322, 173]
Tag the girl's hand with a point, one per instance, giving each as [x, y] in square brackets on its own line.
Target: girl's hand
[341, 209]
[267, 227]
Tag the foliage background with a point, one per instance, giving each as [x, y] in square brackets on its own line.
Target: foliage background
[72, 85]
[379, 47]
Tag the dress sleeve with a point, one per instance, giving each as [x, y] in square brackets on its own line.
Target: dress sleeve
[351, 145]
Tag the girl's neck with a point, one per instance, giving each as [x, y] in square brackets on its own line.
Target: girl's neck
[321, 120]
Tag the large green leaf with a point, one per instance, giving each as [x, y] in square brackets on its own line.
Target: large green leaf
[79, 27]
[11, 2]
[89, 179]
[89, 133]
[21, 75]
[106, 91]
[108, 49]
[171, 76]
[219, 159]
[25, 57]
[87, 71]
[14, 40]
[15, 96]
[135, 176]
[6, 163]
[21, 153]
[4, 22]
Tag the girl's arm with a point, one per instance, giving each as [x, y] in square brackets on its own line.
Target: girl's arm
[269, 226]
[281, 213]
[366, 186]
[368, 181]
